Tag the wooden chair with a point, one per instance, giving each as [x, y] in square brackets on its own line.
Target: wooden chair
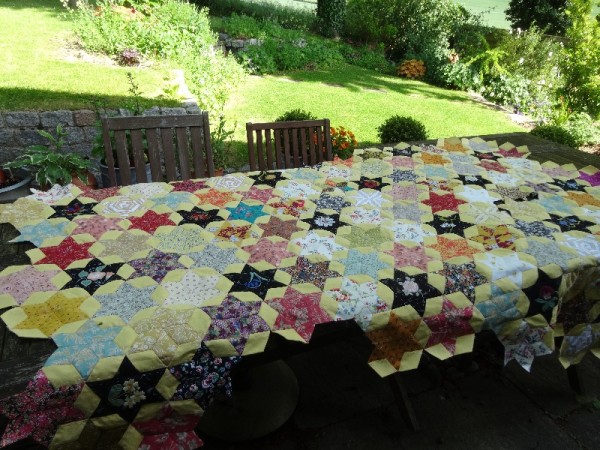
[284, 145]
[171, 144]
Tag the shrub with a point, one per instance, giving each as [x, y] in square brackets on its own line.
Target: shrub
[286, 17]
[556, 134]
[129, 57]
[546, 14]
[330, 15]
[581, 64]
[412, 68]
[295, 114]
[583, 129]
[401, 128]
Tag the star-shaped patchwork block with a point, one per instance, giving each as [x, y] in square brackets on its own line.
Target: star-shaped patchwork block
[366, 236]
[169, 429]
[462, 278]
[405, 256]
[39, 410]
[43, 319]
[126, 245]
[363, 263]
[413, 290]
[95, 226]
[199, 216]
[269, 250]
[449, 324]
[193, 288]
[215, 257]
[496, 237]
[65, 253]
[16, 286]
[449, 224]
[396, 343]
[255, 281]
[543, 295]
[526, 340]
[299, 311]
[150, 221]
[306, 271]
[125, 302]
[73, 209]
[246, 211]
[327, 222]
[235, 320]
[216, 197]
[444, 202]
[172, 334]
[453, 248]
[181, 239]
[156, 265]
[570, 223]
[277, 227]
[127, 391]
[188, 185]
[357, 300]
[318, 243]
[93, 275]
[372, 183]
[204, 377]
[38, 232]
[84, 348]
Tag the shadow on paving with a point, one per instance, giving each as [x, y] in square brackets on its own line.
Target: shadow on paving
[469, 401]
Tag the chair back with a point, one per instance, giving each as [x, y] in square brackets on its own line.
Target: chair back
[284, 145]
[171, 145]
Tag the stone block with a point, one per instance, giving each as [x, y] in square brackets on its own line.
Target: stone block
[19, 119]
[237, 43]
[9, 153]
[193, 108]
[252, 42]
[54, 118]
[123, 112]
[154, 111]
[6, 137]
[84, 117]
[173, 111]
[223, 36]
[74, 135]
[90, 133]
[28, 137]
[82, 148]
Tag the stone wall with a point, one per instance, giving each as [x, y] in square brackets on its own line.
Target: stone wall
[19, 129]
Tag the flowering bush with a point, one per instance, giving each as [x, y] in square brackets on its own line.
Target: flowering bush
[412, 68]
[343, 142]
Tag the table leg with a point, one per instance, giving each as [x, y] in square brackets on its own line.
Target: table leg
[402, 400]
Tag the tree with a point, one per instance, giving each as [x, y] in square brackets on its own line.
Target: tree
[330, 14]
[546, 14]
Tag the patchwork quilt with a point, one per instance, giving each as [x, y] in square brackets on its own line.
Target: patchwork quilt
[153, 292]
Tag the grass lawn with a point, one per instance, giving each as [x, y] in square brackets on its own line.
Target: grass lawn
[38, 73]
[360, 100]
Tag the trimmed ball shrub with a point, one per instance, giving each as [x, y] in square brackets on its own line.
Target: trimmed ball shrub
[295, 114]
[556, 134]
[401, 128]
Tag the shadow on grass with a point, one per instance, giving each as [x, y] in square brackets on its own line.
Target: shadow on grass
[52, 7]
[356, 79]
[46, 100]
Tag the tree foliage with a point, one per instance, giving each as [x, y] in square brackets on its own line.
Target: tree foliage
[330, 14]
[546, 14]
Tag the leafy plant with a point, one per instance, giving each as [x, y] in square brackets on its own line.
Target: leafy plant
[51, 164]
[583, 129]
[295, 114]
[218, 137]
[555, 133]
[129, 57]
[401, 128]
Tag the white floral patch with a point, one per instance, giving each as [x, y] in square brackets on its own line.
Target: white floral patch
[193, 289]
[229, 182]
[122, 206]
[410, 232]
[337, 172]
[294, 189]
[520, 163]
[361, 215]
[476, 194]
[358, 301]
[506, 266]
[504, 179]
[148, 189]
[314, 244]
[588, 245]
[53, 195]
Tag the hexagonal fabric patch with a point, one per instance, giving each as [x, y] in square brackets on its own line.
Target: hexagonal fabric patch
[172, 334]
[84, 348]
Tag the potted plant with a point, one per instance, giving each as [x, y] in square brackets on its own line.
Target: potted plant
[13, 184]
[50, 164]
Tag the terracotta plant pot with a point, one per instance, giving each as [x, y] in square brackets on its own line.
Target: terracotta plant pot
[90, 182]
